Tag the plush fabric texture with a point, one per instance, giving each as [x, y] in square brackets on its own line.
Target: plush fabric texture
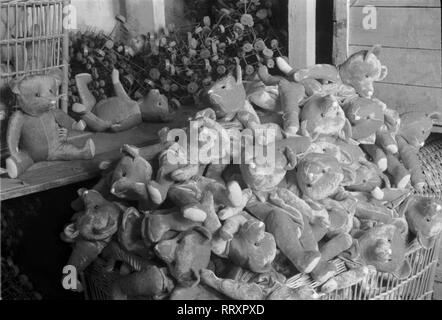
[34, 128]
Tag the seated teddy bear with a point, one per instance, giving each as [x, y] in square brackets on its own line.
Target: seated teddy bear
[33, 130]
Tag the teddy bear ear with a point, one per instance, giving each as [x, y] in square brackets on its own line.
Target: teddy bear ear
[425, 242]
[203, 231]
[349, 175]
[15, 85]
[57, 74]
[129, 150]
[376, 50]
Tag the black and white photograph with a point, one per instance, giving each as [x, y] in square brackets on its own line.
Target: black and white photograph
[220, 153]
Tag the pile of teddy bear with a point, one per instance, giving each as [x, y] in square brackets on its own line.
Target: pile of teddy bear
[341, 186]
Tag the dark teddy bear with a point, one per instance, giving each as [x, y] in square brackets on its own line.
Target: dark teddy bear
[33, 130]
[92, 229]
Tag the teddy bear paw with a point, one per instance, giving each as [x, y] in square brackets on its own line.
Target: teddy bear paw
[80, 125]
[194, 213]
[154, 190]
[79, 108]
[11, 168]
[90, 149]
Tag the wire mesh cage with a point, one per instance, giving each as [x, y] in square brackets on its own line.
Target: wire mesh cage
[32, 40]
[377, 286]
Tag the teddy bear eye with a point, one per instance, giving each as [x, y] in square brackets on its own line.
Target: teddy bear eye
[223, 86]
[37, 94]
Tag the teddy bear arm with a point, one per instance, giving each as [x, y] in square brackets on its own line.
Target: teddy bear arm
[287, 236]
[16, 122]
[151, 282]
[231, 288]
[345, 279]
[411, 161]
[63, 119]
[84, 253]
[368, 211]
[120, 92]
[401, 176]
[95, 123]
[377, 154]
[267, 78]
[319, 71]
[128, 123]
[386, 141]
[331, 249]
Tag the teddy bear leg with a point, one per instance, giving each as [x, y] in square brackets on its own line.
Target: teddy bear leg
[127, 124]
[87, 98]
[231, 288]
[186, 200]
[386, 141]
[368, 211]
[159, 188]
[319, 71]
[84, 253]
[291, 95]
[92, 121]
[160, 224]
[401, 176]
[287, 235]
[378, 155]
[169, 162]
[67, 151]
[411, 161]
[326, 269]
[151, 282]
[17, 163]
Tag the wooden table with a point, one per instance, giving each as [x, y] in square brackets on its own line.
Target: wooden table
[53, 174]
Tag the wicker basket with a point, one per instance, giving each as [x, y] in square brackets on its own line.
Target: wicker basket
[32, 41]
[378, 286]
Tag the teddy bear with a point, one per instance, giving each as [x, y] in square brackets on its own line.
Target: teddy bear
[127, 177]
[150, 282]
[358, 72]
[384, 246]
[178, 161]
[424, 217]
[33, 132]
[291, 96]
[320, 176]
[118, 113]
[366, 117]
[415, 127]
[243, 240]
[322, 115]
[186, 254]
[290, 226]
[92, 229]
[398, 143]
[228, 98]
[262, 175]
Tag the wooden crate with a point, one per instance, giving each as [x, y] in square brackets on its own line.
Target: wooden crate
[410, 34]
